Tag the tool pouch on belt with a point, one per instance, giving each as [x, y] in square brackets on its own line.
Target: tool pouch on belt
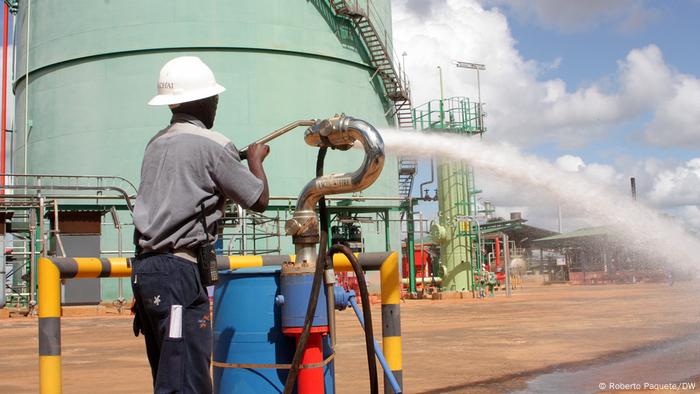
[206, 263]
[137, 320]
[206, 257]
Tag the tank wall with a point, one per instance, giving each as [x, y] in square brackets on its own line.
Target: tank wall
[94, 65]
[280, 61]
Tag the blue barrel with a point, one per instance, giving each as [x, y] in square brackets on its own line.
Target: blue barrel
[248, 330]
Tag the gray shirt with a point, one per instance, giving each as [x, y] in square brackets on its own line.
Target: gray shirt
[185, 166]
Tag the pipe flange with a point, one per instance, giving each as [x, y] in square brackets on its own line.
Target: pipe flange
[302, 223]
[307, 239]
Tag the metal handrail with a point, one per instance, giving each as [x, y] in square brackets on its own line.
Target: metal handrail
[96, 183]
[458, 113]
[371, 14]
[99, 179]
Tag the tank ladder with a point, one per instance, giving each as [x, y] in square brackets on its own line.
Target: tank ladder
[395, 84]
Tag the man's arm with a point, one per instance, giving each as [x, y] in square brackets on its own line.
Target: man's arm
[256, 155]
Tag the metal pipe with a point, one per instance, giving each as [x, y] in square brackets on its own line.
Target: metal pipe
[243, 153]
[42, 238]
[242, 215]
[123, 252]
[497, 252]
[329, 279]
[2, 266]
[26, 86]
[422, 245]
[118, 226]
[119, 190]
[432, 178]
[3, 153]
[52, 270]
[47, 177]
[377, 350]
[411, 248]
[32, 259]
[341, 133]
[506, 257]
[559, 218]
[57, 230]
[353, 198]
[430, 280]
[52, 196]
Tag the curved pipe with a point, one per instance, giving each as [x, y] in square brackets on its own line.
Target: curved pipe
[341, 133]
[432, 179]
[243, 153]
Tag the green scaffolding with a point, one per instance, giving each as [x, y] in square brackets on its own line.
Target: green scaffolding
[457, 233]
[455, 114]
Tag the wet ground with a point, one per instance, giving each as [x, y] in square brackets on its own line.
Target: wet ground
[544, 339]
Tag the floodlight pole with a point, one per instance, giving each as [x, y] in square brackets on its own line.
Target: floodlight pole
[442, 99]
[477, 67]
[403, 61]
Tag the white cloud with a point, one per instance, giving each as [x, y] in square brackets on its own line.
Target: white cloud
[595, 172]
[645, 79]
[677, 119]
[678, 186]
[570, 163]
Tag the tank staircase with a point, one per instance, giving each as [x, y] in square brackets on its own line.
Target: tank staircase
[395, 83]
[380, 55]
[407, 172]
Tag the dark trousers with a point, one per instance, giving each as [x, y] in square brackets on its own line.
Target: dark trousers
[172, 312]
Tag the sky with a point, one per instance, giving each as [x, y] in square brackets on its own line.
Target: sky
[606, 89]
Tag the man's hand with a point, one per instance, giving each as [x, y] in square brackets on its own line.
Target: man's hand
[257, 153]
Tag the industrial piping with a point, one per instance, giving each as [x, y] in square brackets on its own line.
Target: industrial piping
[297, 272]
[305, 306]
[340, 132]
[3, 135]
[51, 271]
[3, 138]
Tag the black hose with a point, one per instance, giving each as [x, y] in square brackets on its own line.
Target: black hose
[315, 286]
[366, 313]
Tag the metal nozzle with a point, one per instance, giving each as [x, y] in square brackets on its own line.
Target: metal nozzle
[243, 153]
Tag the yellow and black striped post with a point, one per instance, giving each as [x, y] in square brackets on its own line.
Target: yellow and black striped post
[390, 282]
[49, 327]
[51, 271]
[391, 318]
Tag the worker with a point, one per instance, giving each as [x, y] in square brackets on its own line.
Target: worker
[187, 175]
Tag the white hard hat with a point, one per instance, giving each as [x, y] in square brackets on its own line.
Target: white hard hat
[184, 79]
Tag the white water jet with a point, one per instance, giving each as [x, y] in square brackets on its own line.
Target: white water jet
[641, 226]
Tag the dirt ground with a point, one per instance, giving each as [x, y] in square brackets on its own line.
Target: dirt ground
[450, 346]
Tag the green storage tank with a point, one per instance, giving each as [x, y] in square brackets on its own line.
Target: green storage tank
[93, 65]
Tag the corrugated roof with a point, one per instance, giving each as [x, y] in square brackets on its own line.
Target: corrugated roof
[576, 238]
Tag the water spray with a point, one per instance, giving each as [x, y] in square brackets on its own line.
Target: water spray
[644, 228]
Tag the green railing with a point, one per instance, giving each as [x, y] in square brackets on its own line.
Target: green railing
[454, 114]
